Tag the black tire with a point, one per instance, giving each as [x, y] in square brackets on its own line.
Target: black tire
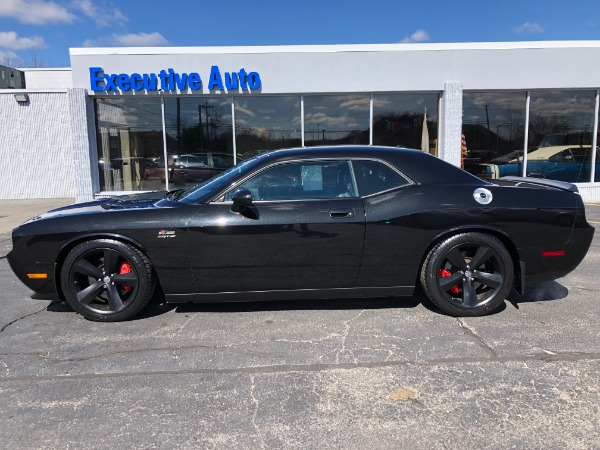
[107, 280]
[468, 274]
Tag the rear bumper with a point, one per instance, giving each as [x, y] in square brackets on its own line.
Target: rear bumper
[552, 262]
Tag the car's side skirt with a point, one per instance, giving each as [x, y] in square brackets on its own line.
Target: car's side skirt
[299, 294]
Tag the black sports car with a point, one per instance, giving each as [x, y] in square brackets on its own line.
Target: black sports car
[321, 222]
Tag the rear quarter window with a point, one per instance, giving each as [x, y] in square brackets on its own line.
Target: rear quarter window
[374, 176]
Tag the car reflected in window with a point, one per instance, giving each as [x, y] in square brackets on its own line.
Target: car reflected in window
[563, 163]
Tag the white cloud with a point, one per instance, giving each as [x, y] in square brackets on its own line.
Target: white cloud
[10, 40]
[417, 36]
[35, 12]
[8, 54]
[104, 17]
[140, 39]
[529, 27]
[128, 40]
[324, 121]
[355, 104]
[243, 110]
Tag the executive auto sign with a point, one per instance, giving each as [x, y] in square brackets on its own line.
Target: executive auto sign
[169, 80]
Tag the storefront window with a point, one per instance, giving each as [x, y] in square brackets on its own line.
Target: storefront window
[398, 120]
[130, 141]
[493, 132]
[336, 119]
[561, 124]
[596, 161]
[266, 123]
[199, 139]
[199, 135]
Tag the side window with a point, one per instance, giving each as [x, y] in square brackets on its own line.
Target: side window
[565, 155]
[374, 176]
[581, 154]
[301, 180]
[222, 161]
[199, 160]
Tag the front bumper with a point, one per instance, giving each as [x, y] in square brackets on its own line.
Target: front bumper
[30, 271]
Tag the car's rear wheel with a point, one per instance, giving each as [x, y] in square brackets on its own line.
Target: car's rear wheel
[107, 280]
[469, 274]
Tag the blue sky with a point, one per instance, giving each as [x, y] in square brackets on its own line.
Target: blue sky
[44, 30]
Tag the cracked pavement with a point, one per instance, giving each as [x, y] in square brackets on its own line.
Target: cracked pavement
[354, 374]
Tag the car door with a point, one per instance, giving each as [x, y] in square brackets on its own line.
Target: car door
[304, 230]
[567, 165]
[583, 157]
[392, 250]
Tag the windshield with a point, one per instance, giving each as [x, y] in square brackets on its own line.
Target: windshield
[211, 186]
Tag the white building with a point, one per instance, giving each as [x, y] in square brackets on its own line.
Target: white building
[111, 122]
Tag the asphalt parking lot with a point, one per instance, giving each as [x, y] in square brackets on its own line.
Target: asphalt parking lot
[386, 373]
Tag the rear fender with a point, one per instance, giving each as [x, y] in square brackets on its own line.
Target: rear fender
[519, 266]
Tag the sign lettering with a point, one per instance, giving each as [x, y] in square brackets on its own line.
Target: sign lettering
[169, 80]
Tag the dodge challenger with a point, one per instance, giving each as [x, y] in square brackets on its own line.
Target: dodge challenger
[309, 223]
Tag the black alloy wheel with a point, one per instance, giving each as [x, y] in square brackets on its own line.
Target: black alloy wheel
[469, 274]
[107, 280]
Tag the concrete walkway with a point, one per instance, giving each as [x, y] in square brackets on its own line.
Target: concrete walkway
[15, 212]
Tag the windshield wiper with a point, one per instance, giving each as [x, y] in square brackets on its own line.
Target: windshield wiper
[175, 194]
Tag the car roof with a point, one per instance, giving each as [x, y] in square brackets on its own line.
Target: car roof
[546, 152]
[210, 153]
[418, 165]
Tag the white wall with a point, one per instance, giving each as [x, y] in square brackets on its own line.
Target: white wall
[590, 192]
[48, 79]
[36, 158]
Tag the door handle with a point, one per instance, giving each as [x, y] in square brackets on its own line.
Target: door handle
[341, 213]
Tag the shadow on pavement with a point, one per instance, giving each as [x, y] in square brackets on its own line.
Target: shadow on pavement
[158, 307]
[541, 292]
[305, 305]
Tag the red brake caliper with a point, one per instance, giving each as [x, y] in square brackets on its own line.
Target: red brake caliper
[446, 273]
[125, 268]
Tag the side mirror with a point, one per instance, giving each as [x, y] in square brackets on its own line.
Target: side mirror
[242, 198]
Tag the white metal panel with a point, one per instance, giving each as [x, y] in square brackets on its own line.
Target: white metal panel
[366, 68]
[44, 79]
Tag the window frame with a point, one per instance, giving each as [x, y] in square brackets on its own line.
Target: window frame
[295, 161]
[220, 198]
[409, 181]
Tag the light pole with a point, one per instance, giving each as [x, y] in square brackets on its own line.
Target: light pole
[498, 137]
[205, 107]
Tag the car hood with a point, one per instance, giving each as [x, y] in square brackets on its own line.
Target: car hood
[134, 201]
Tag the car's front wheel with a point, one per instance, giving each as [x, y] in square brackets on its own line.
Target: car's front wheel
[107, 280]
[468, 274]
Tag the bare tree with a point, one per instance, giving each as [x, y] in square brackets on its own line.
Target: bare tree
[11, 60]
[36, 60]
[515, 122]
